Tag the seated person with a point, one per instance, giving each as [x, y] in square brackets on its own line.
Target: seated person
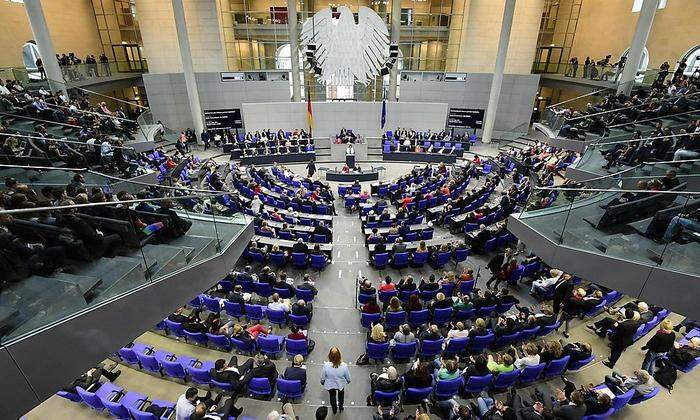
[431, 334]
[478, 329]
[371, 307]
[476, 366]
[387, 381]
[299, 334]
[577, 351]
[301, 308]
[266, 276]
[462, 303]
[544, 285]
[387, 286]
[530, 356]
[230, 372]
[178, 316]
[250, 334]
[440, 302]
[404, 335]
[457, 331]
[445, 369]
[414, 304]
[278, 304]
[597, 401]
[501, 363]
[238, 297]
[682, 354]
[406, 284]
[641, 382]
[417, 376]
[376, 335]
[308, 284]
[297, 371]
[281, 283]
[551, 350]
[262, 368]
[92, 376]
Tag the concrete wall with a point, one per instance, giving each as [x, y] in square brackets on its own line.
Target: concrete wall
[329, 117]
[515, 103]
[167, 95]
[159, 35]
[71, 24]
[606, 27]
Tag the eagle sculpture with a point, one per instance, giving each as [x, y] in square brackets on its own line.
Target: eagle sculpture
[346, 51]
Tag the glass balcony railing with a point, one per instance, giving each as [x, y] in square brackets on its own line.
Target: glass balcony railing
[610, 217]
[53, 272]
[76, 73]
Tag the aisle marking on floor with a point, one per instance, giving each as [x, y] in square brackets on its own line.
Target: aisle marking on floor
[340, 274]
[357, 254]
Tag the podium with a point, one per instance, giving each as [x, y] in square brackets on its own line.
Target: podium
[350, 160]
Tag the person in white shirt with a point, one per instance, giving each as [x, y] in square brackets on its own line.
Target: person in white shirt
[530, 356]
[188, 401]
[278, 304]
[542, 285]
[457, 332]
[106, 150]
[256, 205]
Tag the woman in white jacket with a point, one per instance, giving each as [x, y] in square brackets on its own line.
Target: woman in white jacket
[334, 377]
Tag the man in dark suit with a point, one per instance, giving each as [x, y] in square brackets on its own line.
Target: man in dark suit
[230, 373]
[563, 288]
[300, 247]
[236, 296]
[263, 368]
[301, 308]
[322, 229]
[308, 285]
[622, 337]
[297, 371]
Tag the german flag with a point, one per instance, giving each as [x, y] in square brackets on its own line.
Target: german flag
[309, 113]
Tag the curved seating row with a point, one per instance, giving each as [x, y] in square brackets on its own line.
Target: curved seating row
[298, 260]
[418, 259]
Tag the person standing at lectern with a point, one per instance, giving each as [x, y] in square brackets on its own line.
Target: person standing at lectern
[350, 156]
[311, 167]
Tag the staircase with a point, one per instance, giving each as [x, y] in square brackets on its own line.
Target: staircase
[374, 149]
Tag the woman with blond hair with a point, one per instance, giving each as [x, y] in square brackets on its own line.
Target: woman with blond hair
[334, 377]
[660, 344]
[377, 334]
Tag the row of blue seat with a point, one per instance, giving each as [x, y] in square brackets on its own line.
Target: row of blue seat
[404, 259]
[305, 236]
[298, 260]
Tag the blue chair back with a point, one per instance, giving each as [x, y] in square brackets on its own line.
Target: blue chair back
[395, 319]
[442, 316]
[479, 343]
[305, 294]
[447, 388]
[428, 295]
[283, 292]
[278, 258]
[505, 379]
[174, 328]
[260, 387]
[89, 398]
[173, 369]
[263, 289]
[456, 346]
[529, 333]
[381, 260]
[200, 374]
[490, 245]
[530, 374]
[418, 318]
[378, 352]
[254, 312]
[430, 348]
[461, 255]
[295, 347]
[447, 289]
[148, 362]
[368, 319]
[546, 329]
[365, 298]
[476, 384]
[386, 398]
[298, 320]
[404, 351]
[578, 364]
[420, 258]
[506, 340]
[466, 287]
[199, 338]
[233, 309]
[318, 262]
[620, 401]
[127, 355]
[485, 311]
[212, 304]
[602, 416]
[242, 346]
[415, 395]
[270, 345]
[298, 260]
[642, 398]
[556, 367]
[277, 317]
[117, 409]
[400, 259]
[384, 297]
[464, 314]
[441, 259]
[289, 388]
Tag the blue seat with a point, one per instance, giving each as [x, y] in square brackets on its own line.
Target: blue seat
[128, 356]
[363, 298]
[284, 293]
[620, 401]
[295, 347]
[271, 345]
[405, 295]
[305, 294]
[118, 409]
[318, 262]
[529, 333]
[464, 314]
[173, 369]
[428, 295]
[260, 387]
[556, 367]
[384, 297]
[576, 365]
[400, 260]
[447, 289]
[386, 399]
[490, 245]
[219, 340]
[479, 343]
[441, 259]
[602, 416]
[254, 312]
[485, 311]
[298, 260]
[416, 395]
[395, 319]
[640, 399]
[200, 374]
[255, 256]
[277, 317]
[174, 328]
[289, 388]
[198, 338]
[298, 320]
[506, 340]
[367, 320]
[93, 399]
[431, 348]
[262, 289]
[321, 239]
[546, 329]
[242, 346]
[476, 384]
[447, 388]
[460, 255]
[212, 304]
[378, 352]
[505, 380]
[233, 310]
[442, 316]
[69, 395]
[381, 260]
[404, 351]
[418, 318]
[530, 374]
[456, 346]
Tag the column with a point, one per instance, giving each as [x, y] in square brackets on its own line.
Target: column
[395, 34]
[497, 81]
[639, 41]
[187, 68]
[43, 41]
[292, 24]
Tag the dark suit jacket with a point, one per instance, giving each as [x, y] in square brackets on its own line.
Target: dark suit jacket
[300, 247]
[622, 335]
[265, 370]
[294, 373]
[562, 290]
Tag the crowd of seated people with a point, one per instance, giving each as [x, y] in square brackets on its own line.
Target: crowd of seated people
[266, 142]
[676, 96]
[347, 136]
[45, 241]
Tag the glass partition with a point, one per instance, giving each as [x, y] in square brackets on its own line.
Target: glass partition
[54, 272]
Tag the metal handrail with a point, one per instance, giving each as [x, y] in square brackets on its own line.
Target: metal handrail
[639, 139]
[616, 190]
[656, 118]
[578, 97]
[59, 140]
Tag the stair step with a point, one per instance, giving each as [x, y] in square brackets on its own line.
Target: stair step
[86, 284]
[163, 259]
[118, 275]
[202, 246]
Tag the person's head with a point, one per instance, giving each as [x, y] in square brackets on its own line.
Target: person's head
[480, 362]
[666, 325]
[395, 303]
[530, 349]
[694, 342]
[459, 326]
[507, 359]
[451, 366]
[391, 373]
[554, 348]
[547, 309]
[670, 174]
[629, 313]
[298, 360]
[218, 365]
[414, 301]
[422, 369]
[301, 303]
[191, 393]
[321, 413]
[335, 357]
[577, 398]
[440, 296]
[406, 329]
[275, 297]
[642, 375]
[377, 333]
[387, 279]
[604, 400]
[434, 329]
[586, 346]
[480, 323]
[200, 410]
[642, 307]
[463, 412]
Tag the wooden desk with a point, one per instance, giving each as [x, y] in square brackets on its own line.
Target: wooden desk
[285, 243]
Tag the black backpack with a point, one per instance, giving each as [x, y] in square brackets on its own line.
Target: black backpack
[666, 375]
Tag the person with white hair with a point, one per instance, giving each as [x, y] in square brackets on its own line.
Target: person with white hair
[387, 381]
[541, 286]
[287, 413]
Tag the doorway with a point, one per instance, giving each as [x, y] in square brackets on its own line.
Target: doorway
[128, 58]
[548, 59]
